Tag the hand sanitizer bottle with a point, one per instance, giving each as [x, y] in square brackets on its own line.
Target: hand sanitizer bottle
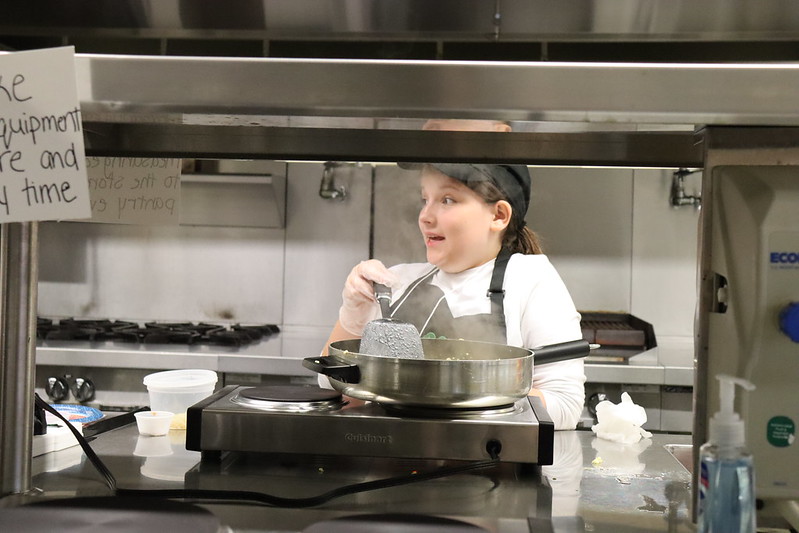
[726, 483]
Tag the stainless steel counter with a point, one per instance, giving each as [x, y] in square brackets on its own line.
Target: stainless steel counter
[594, 485]
[282, 354]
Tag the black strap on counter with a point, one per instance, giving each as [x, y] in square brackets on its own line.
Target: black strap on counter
[312, 501]
[110, 480]
[495, 291]
[260, 497]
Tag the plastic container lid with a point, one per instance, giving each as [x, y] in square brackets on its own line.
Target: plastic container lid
[188, 380]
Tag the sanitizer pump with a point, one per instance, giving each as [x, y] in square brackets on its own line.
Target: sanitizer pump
[726, 485]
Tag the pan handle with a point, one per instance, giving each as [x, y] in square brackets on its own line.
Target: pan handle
[334, 368]
[563, 351]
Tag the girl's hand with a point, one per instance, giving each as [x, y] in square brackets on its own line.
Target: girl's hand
[358, 296]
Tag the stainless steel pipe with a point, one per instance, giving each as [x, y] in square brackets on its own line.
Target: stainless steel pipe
[18, 283]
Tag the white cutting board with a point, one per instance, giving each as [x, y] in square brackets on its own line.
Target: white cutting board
[58, 436]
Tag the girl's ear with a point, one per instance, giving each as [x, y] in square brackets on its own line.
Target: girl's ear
[502, 214]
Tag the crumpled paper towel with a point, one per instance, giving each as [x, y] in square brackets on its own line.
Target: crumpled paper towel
[620, 422]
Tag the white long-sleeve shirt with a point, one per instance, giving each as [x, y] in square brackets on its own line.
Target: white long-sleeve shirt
[538, 311]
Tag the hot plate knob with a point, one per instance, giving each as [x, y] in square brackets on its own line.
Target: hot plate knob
[594, 400]
[83, 389]
[789, 321]
[57, 388]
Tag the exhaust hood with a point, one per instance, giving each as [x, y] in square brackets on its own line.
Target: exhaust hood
[249, 78]
[356, 79]
[402, 20]
[562, 113]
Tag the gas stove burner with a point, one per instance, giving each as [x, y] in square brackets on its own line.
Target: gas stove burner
[288, 398]
[83, 330]
[203, 333]
[148, 335]
[73, 333]
[255, 333]
[153, 332]
[415, 411]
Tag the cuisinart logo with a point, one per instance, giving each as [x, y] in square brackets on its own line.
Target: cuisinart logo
[784, 259]
[367, 438]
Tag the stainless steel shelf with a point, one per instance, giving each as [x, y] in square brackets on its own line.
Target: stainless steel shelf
[197, 90]
[630, 148]
[162, 356]
[641, 114]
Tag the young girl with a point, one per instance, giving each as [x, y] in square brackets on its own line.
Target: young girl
[486, 278]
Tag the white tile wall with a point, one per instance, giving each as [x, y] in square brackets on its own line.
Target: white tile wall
[665, 265]
[324, 240]
[620, 246]
[584, 219]
[161, 273]
[397, 238]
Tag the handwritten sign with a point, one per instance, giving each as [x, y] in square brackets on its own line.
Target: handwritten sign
[42, 170]
[134, 190]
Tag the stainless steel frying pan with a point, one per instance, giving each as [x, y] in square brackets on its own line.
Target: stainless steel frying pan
[453, 373]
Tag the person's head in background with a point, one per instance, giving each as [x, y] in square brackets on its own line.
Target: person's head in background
[457, 124]
[470, 211]
[516, 236]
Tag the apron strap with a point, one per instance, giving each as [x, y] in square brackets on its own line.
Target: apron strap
[495, 291]
[412, 287]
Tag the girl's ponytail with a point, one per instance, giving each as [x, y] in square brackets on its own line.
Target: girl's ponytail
[518, 238]
[521, 240]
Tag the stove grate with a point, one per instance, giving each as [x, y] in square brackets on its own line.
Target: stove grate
[187, 333]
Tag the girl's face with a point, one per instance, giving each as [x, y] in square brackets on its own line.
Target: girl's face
[460, 229]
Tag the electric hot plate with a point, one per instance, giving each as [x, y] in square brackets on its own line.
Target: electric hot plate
[311, 420]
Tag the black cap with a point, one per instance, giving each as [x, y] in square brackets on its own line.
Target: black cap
[513, 180]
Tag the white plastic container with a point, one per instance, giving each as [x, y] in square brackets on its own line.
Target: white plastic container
[153, 423]
[177, 390]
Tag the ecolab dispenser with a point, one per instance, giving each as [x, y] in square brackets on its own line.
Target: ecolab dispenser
[748, 319]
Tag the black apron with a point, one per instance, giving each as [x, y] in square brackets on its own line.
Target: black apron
[425, 306]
